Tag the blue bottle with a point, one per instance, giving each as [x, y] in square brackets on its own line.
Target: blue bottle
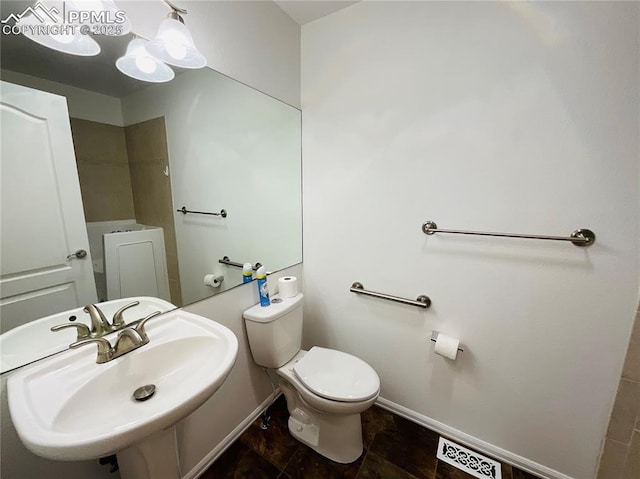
[263, 289]
[247, 273]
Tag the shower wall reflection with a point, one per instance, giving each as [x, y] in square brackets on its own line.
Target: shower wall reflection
[121, 173]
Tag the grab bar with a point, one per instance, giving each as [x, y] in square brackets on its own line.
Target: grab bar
[580, 237]
[422, 301]
[228, 262]
[184, 211]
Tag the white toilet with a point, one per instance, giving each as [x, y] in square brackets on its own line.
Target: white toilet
[326, 390]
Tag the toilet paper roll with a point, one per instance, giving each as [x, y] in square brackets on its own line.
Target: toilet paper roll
[213, 280]
[288, 286]
[447, 346]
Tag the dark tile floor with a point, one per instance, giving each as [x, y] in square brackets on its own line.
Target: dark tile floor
[395, 448]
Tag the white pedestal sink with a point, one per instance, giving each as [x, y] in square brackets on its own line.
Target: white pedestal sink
[69, 408]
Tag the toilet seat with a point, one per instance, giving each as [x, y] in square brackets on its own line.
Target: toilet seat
[336, 375]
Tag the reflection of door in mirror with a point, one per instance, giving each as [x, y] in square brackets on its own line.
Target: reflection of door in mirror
[125, 191]
[42, 220]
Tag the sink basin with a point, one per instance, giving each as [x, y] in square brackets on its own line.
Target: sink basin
[67, 407]
[35, 340]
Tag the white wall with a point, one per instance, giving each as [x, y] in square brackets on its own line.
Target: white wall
[233, 148]
[515, 117]
[254, 42]
[204, 433]
[83, 104]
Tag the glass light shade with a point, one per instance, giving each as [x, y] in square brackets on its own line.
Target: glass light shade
[104, 23]
[174, 45]
[69, 40]
[138, 64]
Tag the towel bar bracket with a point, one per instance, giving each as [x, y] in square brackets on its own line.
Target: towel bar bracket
[583, 234]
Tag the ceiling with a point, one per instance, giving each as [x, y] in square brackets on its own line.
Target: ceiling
[96, 73]
[305, 11]
[22, 55]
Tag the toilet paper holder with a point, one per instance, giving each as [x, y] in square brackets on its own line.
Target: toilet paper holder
[434, 338]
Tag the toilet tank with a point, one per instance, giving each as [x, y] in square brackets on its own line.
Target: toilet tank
[275, 331]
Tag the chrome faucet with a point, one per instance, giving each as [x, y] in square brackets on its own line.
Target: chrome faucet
[128, 339]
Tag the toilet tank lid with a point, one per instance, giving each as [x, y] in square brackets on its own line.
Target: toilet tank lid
[278, 307]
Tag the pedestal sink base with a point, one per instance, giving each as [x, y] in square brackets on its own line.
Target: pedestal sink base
[154, 458]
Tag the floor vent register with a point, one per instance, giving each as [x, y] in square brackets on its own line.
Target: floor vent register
[468, 461]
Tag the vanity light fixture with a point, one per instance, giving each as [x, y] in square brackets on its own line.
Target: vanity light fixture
[173, 43]
[58, 25]
[59, 36]
[139, 64]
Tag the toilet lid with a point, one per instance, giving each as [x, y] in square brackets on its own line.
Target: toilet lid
[336, 375]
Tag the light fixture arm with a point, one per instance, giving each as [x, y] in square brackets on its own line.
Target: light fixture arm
[175, 16]
[175, 9]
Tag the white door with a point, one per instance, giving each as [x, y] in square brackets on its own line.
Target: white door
[42, 220]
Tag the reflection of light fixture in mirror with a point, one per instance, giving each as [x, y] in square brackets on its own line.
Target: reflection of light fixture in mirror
[138, 64]
[173, 43]
[56, 35]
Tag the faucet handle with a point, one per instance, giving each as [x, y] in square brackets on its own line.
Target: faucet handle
[141, 324]
[83, 329]
[105, 351]
[118, 320]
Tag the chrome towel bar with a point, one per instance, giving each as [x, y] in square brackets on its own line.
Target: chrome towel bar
[184, 211]
[228, 262]
[422, 301]
[580, 237]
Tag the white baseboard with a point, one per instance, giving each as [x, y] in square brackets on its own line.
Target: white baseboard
[473, 442]
[231, 437]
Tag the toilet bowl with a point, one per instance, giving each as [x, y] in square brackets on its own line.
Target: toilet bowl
[326, 390]
[325, 400]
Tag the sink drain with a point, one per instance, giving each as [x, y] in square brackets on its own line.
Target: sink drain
[145, 392]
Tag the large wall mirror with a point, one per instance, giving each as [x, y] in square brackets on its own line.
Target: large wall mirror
[144, 151]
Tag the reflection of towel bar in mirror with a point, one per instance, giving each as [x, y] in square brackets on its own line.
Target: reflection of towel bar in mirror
[580, 237]
[228, 262]
[422, 301]
[184, 211]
